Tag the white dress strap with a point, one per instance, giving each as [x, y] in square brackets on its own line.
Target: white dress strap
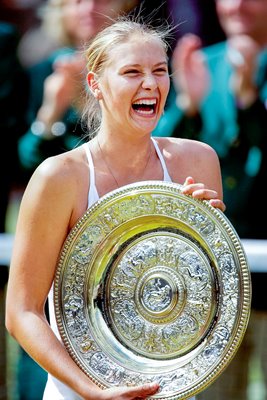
[93, 195]
[166, 175]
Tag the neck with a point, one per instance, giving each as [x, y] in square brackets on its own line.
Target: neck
[126, 163]
[124, 144]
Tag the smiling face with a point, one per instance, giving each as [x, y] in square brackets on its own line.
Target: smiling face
[244, 17]
[134, 85]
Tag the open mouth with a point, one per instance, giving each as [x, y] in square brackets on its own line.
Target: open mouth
[145, 106]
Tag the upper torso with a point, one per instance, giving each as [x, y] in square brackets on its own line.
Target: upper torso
[93, 194]
[182, 157]
[55, 389]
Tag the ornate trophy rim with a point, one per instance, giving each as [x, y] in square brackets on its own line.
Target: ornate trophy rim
[131, 311]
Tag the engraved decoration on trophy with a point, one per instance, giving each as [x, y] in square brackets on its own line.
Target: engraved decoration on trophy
[153, 285]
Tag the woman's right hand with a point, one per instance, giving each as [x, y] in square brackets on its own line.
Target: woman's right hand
[129, 393]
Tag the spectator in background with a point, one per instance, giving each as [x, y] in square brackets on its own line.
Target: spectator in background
[57, 83]
[21, 13]
[13, 102]
[220, 98]
[25, 15]
[198, 17]
[29, 50]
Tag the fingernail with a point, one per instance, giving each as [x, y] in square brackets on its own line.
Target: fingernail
[153, 385]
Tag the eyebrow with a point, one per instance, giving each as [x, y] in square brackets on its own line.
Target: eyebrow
[139, 65]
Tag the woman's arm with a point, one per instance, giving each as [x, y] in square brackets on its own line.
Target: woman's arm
[42, 226]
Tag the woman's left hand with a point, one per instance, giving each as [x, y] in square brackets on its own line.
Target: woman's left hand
[199, 191]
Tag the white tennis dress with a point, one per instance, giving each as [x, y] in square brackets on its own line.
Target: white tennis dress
[56, 390]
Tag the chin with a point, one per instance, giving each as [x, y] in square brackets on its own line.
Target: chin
[147, 128]
[145, 125]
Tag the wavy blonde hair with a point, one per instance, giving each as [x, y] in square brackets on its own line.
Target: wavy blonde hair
[97, 56]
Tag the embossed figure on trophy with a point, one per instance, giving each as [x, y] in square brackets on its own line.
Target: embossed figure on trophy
[195, 270]
[105, 368]
[127, 320]
[144, 254]
[90, 237]
[74, 314]
[157, 294]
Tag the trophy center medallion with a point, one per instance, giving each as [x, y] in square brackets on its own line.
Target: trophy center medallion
[160, 295]
[156, 294]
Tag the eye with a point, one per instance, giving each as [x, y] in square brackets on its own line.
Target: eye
[160, 71]
[131, 72]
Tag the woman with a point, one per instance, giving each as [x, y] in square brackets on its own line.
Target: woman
[129, 82]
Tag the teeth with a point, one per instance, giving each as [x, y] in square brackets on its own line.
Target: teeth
[144, 112]
[147, 102]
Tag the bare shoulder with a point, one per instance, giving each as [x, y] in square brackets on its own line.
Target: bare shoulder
[185, 157]
[58, 180]
[57, 190]
[60, 170]
[174, 148]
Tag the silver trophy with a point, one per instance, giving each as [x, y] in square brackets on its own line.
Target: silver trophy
[153, 285]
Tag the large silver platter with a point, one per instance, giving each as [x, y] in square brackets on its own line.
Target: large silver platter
[152, 285]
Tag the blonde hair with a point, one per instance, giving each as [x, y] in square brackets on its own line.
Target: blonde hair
[97, 56]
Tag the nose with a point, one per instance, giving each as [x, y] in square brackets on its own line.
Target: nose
[149, 82]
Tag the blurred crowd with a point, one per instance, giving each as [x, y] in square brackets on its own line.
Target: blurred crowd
[218, 64]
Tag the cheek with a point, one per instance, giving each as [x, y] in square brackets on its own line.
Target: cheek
[168, 85]
[164, 88]
[117, 96]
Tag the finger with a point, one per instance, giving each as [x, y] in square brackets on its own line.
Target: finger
[206, 194]
[188, 181]
[217, 203]
[192, 188]
[142, 391]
